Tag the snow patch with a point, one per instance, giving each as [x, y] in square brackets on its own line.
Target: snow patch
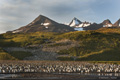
[104, 25]
[107, 25]
[75, 22]
[46, 27]
[83, 25]
[66, 23]
[45, 24]
[79, 29]
[42, 23]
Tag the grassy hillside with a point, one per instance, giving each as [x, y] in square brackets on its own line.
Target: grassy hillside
[99, 45]
[14, 55]
[103, 55]
[6, 56]
[12, 40]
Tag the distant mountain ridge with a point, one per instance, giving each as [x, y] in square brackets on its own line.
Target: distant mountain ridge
[107, 23]
[93, 26]
[43, 24]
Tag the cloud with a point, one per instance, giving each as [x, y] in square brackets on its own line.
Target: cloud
[17, 13]
[20, 12]
[6, 26]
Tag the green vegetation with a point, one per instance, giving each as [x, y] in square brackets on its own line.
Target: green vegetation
[14, 55]
[13, 40]
[99, 45]
[104, 55]
[20, 54]
[5, 56]
[65, 58]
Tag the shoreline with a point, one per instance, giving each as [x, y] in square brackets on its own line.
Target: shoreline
[48, 76]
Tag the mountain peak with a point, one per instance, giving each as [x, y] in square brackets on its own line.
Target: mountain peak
[107, 21]
[75, 22]
[117, 23]
[43, 24]
[75, 18]
[42, 16]
[41, 20]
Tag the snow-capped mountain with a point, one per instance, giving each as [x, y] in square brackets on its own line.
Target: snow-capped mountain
[117, 23]
[84, 24]
[75, 22]
[107, 23]
[44, 24]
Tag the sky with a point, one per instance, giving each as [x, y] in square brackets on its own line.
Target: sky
[17, 13]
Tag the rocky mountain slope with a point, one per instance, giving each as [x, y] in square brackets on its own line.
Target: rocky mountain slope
[117, 23]
[107, 23]
[44, 24]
